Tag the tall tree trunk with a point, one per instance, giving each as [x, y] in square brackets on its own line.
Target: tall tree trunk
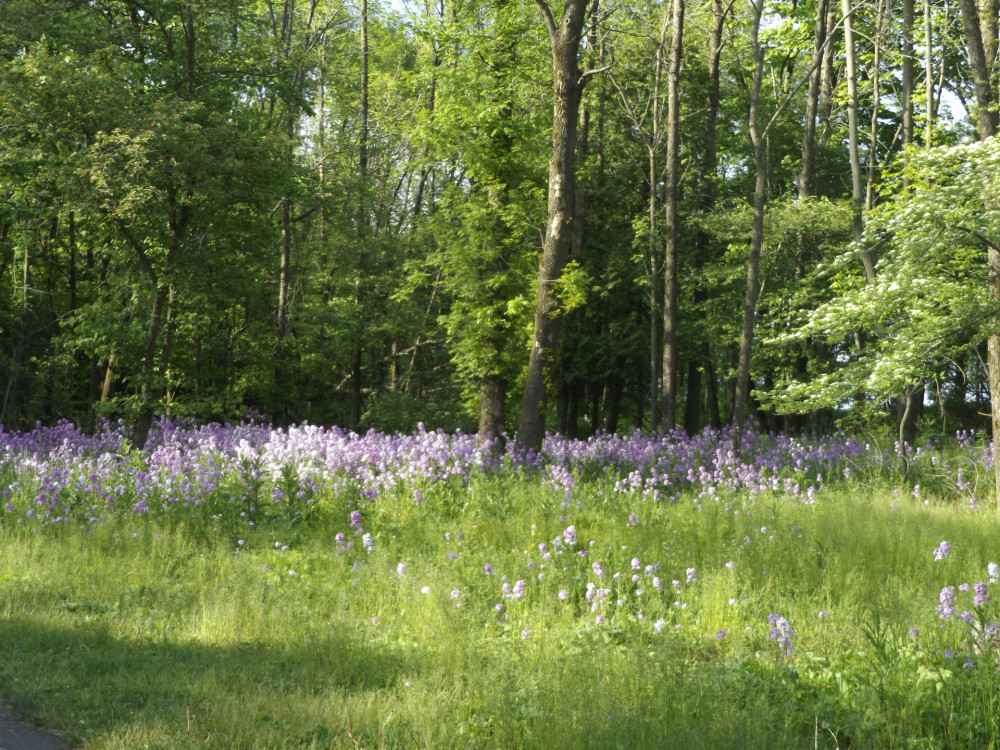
[857, 188]
[672, 228]
[812, 102]
[703, 240]
[929, 74]
[655, 317]
[987, 122]
[742, 390]
[876, 83]
[692, 399]
[827, 88]
[284, 276]
[144, 420]
[711, 390]
[359, 294]
[907, 98]
[492, 406]
[493, 382]
[975, 45]
[655, 320]
[613, 405]
[910, 402]
[109, 373]
[567, 91]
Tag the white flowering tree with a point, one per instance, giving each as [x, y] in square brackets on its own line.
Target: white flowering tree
[929, 299]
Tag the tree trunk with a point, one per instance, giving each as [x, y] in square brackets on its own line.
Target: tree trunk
[827, 88]
[703, 241]
[907, 98]
[692, 400]
[857, 189]
[712, 391]
[573, 411]
[613, 405]
[986, 116]
[144, 421]
[493, 393]
[567, 91]
[492, 405]
[812, 102]
[655, 320]
[987, 122]
[742, 390]
[672, 228]
[359, 294]
[876, 83]
[929, 74]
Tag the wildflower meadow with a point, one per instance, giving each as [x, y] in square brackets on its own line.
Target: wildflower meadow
[241, 586]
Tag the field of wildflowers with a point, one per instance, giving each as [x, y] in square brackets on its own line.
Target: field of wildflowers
[248, 587]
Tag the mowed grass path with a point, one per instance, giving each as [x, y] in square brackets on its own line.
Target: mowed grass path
[132, 634]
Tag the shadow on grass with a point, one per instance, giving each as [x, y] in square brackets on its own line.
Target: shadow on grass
[89, 684]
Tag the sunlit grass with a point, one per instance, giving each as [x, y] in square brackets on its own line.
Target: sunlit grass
[134, 634]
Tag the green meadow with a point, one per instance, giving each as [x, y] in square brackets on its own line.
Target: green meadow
[453, 628]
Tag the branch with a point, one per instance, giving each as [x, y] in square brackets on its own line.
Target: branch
[550, 23]
[139, 250]
[805, 79]
[304, 214]
[977, 234]
[588, 74]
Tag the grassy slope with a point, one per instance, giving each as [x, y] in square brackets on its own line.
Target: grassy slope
[138, 636]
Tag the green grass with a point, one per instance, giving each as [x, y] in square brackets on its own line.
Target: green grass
[134, 635]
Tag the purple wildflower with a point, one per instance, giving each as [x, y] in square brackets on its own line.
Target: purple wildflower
[982, 594]
[946, 607]
[782, 632]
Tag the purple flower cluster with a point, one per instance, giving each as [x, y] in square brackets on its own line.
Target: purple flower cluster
[782, 632]
[942, 551]
[239, 471]
[946, 603]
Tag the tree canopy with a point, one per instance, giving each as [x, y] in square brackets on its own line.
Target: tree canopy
[306, 210]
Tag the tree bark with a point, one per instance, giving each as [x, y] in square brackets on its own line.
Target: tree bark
[672, 228]
[929, 74]
[567, 91]
[987, 122]
[742, 390]
[359, 294]
[703, 241]
[805, 186]
[986, 117]
[492, 406]
[692, 400]
[857, 189]
[907, 98]
[655, 319]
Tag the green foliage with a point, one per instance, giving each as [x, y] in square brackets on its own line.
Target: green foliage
[928, 299]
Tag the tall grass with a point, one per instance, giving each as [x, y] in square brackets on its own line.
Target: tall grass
[157, 630]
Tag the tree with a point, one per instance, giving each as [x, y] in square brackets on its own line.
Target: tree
[930, 296]
[672, 228]
[568, 82]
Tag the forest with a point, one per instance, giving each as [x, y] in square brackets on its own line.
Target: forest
[500, 215]
[500, 373]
